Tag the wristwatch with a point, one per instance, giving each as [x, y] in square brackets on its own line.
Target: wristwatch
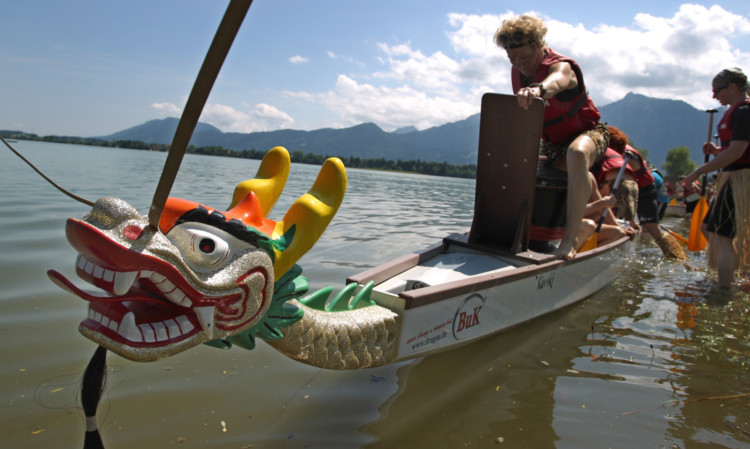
[542, 90]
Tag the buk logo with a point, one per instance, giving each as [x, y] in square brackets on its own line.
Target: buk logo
[467, 320]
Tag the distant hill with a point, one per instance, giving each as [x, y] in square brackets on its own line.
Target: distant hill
[660, 125]
[654, 124]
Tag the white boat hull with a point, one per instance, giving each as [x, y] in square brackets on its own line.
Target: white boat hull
[457, 295]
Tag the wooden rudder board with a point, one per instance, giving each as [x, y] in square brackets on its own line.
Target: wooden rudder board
[506, 172]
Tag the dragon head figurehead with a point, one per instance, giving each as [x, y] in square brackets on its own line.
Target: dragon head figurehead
[204, 275]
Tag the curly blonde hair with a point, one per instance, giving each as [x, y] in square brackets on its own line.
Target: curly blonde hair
[617, 139]
[520, 31]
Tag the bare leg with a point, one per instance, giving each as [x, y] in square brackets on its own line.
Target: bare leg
[726, 259]
[579, 158]
[585, 231]
[610, 233]
[653, 229]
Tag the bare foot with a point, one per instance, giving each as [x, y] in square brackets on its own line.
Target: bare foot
[565, 252]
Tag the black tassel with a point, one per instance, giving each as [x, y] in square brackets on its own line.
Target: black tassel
[94, 379]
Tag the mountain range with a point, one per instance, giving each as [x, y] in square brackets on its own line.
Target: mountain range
[656, 125]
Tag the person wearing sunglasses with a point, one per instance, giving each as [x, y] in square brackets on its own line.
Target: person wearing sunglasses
[727, 223]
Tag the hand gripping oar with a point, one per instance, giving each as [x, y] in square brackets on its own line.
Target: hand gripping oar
[223, 39]
[592, 241]
[696, 239]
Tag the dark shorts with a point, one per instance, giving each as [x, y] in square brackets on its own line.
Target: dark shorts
[720, 216]
[648, 206]
[598, 134]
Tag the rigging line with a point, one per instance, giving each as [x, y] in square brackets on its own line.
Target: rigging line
[72, 195]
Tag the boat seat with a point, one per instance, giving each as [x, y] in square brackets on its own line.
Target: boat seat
[528, 256]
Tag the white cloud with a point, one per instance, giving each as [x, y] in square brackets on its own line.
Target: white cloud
[167, 109]
[297, 59]
[663, 57]
[388, 107]
[261, 117]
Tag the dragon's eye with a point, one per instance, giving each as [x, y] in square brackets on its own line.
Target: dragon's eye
[207, 246]
[203, 247]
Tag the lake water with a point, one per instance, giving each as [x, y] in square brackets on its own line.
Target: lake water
[659, 359]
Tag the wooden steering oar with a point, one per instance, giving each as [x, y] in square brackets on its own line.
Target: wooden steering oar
[94, 376]
[230, 25]
[591, 243]
[696, 239]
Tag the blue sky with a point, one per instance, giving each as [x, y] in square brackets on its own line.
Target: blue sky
[92, 67]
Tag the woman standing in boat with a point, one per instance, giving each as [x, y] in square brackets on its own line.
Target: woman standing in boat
[728, 220]
[572, 136]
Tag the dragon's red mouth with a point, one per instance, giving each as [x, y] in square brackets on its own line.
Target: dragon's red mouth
[143, 302]
[138, 317]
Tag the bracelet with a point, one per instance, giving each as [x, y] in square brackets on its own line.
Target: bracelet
[542, 90]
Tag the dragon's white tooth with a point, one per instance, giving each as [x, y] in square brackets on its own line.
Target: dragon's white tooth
[161, 331]
[145, 273]
[92, 314]
[179, 298]
[172, 328]
[98, 317]
[129, 330]
[89, 268]
[148, 333]
[109, 276]
[98, 272]
[185, 324]
[123, 282]
[156, 277]
[81, 262]
[113, 325]
[165, 286]
[105, 321]
[205, 316]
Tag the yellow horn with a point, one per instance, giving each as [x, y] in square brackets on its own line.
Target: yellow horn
[310, 214]
[268, 182]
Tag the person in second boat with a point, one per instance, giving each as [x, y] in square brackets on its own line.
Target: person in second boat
[647, 201]
[573, 138]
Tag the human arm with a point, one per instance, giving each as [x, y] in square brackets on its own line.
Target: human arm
[738, 144]
[559, 78]
[732, 153]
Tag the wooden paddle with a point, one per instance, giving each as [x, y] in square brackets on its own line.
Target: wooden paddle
[696, 239]
[217, 52]
[592, 241]
[682, 239]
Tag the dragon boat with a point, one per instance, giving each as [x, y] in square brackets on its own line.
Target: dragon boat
[227, 278]
[472, 284]
[187, 273]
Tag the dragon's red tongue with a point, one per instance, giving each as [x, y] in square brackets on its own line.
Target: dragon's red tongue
[100, 296]
[136, 318]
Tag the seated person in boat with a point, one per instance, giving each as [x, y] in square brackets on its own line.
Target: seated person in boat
[605, 172]
[610, 230]
[573, 138]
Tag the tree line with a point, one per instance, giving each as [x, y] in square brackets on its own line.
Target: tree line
[411, 166]
[678, 162]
